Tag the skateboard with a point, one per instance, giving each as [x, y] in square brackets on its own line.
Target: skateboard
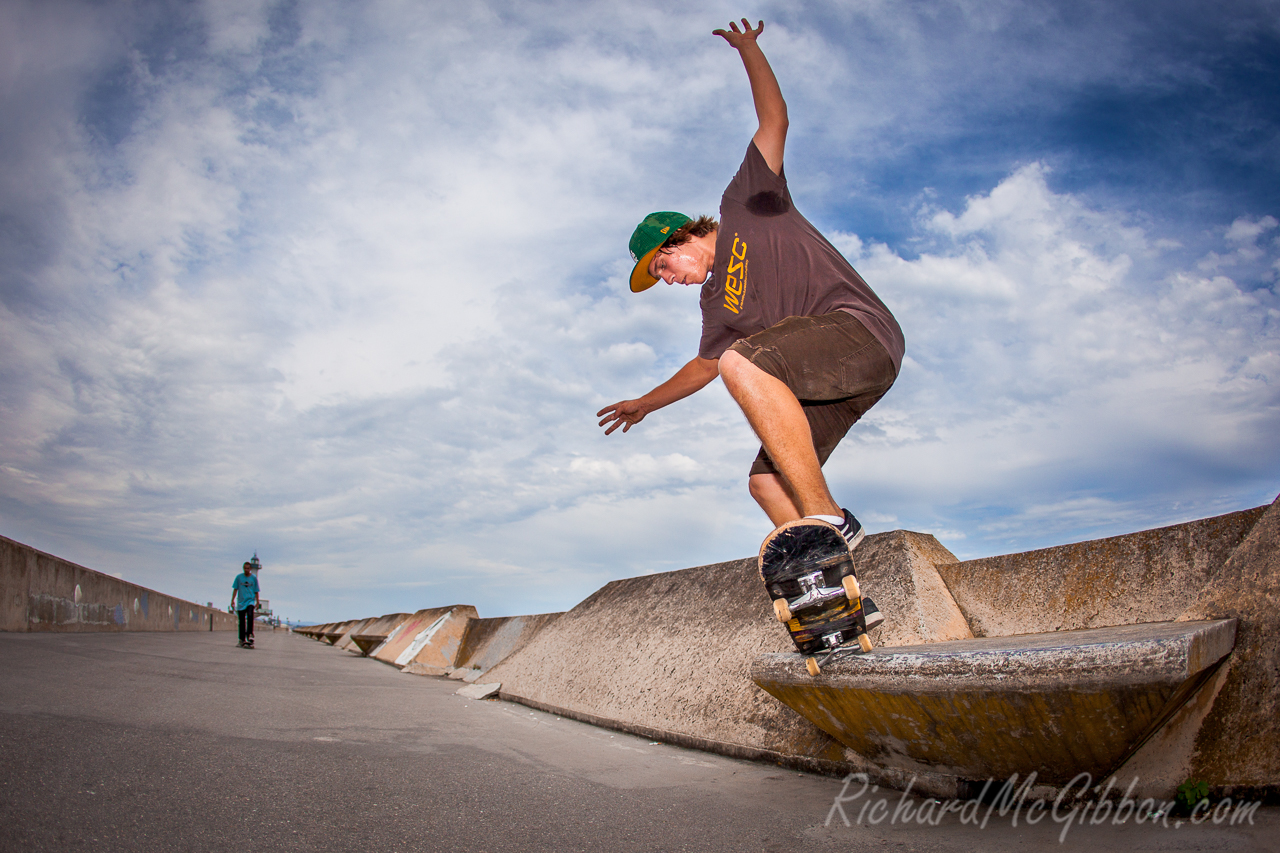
[808, 572]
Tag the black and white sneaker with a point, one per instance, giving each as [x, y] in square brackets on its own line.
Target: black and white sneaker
[851, 530]
[871, 613]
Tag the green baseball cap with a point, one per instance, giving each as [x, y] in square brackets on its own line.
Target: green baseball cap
[648, 237]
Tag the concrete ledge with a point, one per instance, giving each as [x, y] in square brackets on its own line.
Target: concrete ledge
[1053, 704]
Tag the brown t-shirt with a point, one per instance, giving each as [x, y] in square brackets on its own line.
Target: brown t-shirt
[772, 264]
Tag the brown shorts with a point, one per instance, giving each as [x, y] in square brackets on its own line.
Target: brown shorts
[835, 367]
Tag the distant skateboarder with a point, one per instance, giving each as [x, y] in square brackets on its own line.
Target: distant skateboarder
[244, 598]
[802, 343]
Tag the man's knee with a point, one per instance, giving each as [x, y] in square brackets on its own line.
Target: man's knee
[773, 496]
[731, 366]
[764, 488]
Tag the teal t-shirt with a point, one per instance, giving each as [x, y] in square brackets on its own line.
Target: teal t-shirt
[245, 588]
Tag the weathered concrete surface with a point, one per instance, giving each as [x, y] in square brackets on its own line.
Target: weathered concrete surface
[1050, 704]
[1150, 576]
[408, 629]
[488, 642]
[1238, 744]
[435, 632]
[479, 691]
[41, 592]
[898, 570]
[1221, 567]
[346, 642]
[435, 650]
[375, 632]
[337, 631]
[668, 655]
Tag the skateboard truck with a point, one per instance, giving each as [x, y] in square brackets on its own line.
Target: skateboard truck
[833, 643]
[814, 592]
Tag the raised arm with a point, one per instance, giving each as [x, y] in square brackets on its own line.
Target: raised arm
[771, 109]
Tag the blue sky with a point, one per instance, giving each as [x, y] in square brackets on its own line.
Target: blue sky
[344, 283]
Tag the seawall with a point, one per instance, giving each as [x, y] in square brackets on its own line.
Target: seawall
[41, 592]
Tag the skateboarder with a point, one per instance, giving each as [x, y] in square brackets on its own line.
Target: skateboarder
[803, 345]
[244, 598]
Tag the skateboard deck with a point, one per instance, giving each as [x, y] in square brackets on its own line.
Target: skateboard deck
[808, 572]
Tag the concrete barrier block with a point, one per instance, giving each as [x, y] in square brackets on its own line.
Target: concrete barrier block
[408, 630]
[1238, 743]
[346, 641]
[1149, 576]
[338, 631]
[437, 645]
[899, 571]
[372, 634]
[667, 656]
[488, 642]
[433, 625]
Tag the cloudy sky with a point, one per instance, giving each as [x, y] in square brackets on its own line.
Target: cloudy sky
[345, 282]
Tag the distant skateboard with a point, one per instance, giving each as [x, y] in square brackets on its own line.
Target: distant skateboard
[809, 574]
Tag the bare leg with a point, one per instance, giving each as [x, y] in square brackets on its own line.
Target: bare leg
[778, 419]
[771, 493]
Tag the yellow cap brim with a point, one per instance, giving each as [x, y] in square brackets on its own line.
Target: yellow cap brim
[640, 278]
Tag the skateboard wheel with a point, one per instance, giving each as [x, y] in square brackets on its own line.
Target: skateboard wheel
[781, 610]
[811, 664]
[851, 588]
[865, 642]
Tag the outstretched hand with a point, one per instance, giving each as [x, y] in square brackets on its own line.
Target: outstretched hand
[740, 38]
[626, 414]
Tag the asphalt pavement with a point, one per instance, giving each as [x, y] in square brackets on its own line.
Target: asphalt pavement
[162, 742]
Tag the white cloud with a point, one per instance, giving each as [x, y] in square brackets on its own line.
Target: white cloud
[1038, 360]
[236, 25]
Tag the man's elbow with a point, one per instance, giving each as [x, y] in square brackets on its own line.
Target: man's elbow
[775, 127]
